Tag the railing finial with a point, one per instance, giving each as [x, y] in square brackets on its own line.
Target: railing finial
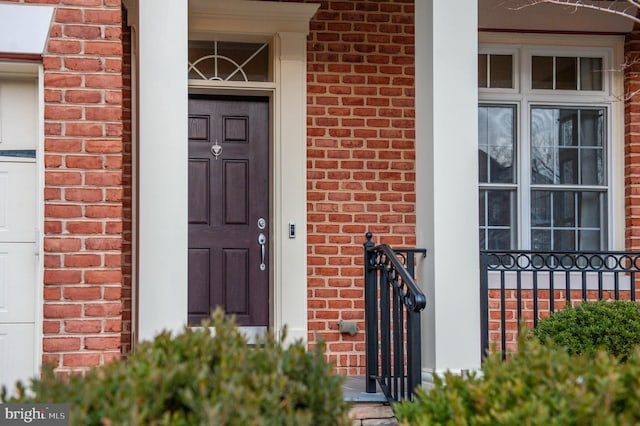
[369, 244]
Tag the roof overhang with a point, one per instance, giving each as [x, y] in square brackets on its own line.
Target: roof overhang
[505, 15]
[24, 28]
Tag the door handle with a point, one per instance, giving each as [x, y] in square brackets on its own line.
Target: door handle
[262, 240]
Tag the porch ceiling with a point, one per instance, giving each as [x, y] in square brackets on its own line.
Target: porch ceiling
[500, 15]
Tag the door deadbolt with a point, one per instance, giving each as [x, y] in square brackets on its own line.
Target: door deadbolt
[262, 223]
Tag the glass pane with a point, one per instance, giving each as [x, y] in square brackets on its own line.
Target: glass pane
[483, 166]
[246, 61]
[568, 127]
[540, 239]
[568, 162]
[543, 166]
[544, 125]
[501, 140]
[591, 166]
[483, 142]
[496, 142]
[482, 204]
[500, 163]
[542, 72]
[501, 67]
[482, 70]
[564, 212]
[589, 240]
[589, 208]
[203, 69]
[592, 127]
[591, 73]
[563, 240]
[566, 73]
[499, 239]
[540, 208]
[500, 208]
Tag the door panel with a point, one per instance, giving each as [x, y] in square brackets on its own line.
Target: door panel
[17, 278]
[199, 291]
[236, 280]
[228, 193]
[18, 221]
[236, 192]
[18, 100]
[17, 201]
[17, 346]
[199, 191]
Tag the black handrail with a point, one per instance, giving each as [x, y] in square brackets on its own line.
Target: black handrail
[393, 340]
[553, 279]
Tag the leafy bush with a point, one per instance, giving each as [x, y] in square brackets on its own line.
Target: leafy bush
[539, 385]
[197, 378]
[612, 326]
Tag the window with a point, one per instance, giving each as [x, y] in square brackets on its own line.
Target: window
[497, 169]
[495, 71]
[566, 73]
[568, 181]
[228, 61]
[544, 131]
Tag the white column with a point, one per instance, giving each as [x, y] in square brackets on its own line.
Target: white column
[162, 166]
[290, 186]
[446, 181]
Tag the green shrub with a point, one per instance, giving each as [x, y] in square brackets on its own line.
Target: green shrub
[538, 385]
[613, 326]
[196, 378]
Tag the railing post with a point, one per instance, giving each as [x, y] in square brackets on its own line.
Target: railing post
[484, 304]
[414, 350]
[371, 316]
[411, 263]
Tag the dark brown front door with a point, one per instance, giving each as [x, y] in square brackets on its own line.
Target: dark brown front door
[229, 208]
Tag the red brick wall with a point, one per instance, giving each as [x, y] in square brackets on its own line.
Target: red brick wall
[529, 307]
[83, 183]
[360, 157]
[632, 142]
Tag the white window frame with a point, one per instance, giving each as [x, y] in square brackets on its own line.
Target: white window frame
[498, 49]
[522, 47]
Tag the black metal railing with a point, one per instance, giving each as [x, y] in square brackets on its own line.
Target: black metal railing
[393, 303]
[519, 287]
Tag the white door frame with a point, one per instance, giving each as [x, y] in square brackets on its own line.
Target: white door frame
[162, 160]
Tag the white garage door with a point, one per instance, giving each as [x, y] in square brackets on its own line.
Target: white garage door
[18, 214]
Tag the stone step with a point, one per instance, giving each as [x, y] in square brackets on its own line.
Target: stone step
[372, 414]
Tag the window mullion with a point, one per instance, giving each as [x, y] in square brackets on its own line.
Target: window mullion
[524, 182]
[576, 222]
